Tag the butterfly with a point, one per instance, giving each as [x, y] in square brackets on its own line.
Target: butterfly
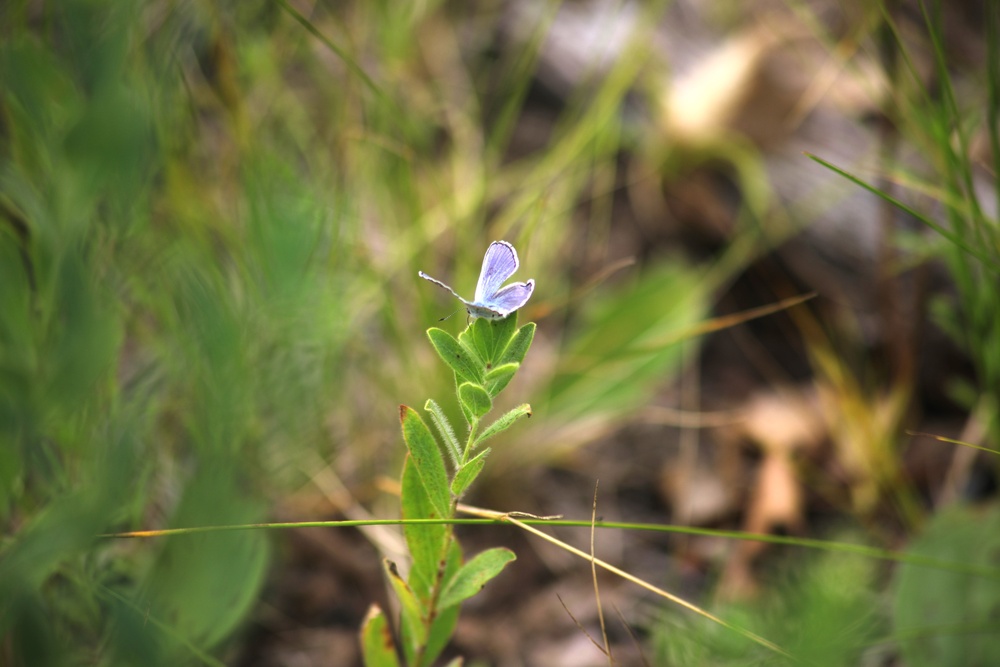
[492, 301]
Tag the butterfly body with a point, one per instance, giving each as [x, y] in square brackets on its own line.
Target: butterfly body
[493, 301]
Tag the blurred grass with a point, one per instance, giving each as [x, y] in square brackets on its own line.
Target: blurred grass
[212, 218]
[948, 112]
[168, 331]
[952, 123]
[822, 610]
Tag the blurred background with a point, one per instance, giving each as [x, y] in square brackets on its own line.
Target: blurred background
[212, 215]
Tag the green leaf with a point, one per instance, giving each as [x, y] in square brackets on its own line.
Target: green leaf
[471, 578]
[629, 345]
[426, 542]
[504, 422]
[377, 646]
[468, 473]
[502, 371]
[426, 457]
[489, 338]
[466, 413]
[459, 358]
[500, 376]
[440, 634]
[519, 344]
[412, 609]
[475, 398]
[444, 624]
[220, 573]
[512, 354]
[443, 427]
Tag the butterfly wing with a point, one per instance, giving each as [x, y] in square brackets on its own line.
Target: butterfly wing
[510, 298]
[499, 264]
[441, 284]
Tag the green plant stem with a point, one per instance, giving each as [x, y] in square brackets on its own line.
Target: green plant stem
[435, 595]
[807, 543]
[471, 442]
[943, 231]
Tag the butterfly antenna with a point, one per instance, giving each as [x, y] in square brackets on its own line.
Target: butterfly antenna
[448, 316]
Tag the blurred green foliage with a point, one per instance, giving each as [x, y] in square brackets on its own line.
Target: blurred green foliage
[945, 121]
[210, 222]
[949, 618]
[169, 331]
[822, 610]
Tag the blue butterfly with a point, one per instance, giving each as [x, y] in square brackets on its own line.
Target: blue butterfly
[494, 302]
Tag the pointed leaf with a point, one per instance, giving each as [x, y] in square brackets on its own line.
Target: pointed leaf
[475, 398]
[459, 358]
[412, 609]
[502, 371]
[504, 422]
[427, 459]
[377, 646]
[489, 338]
[426, 542]
[443, 626]
[519, 344]
[443, 427]
[471, 578]
[500, 376]
[467, 474]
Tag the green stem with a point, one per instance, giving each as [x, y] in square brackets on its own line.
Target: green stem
[432, 611]
[470, 443]
[802, 542]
